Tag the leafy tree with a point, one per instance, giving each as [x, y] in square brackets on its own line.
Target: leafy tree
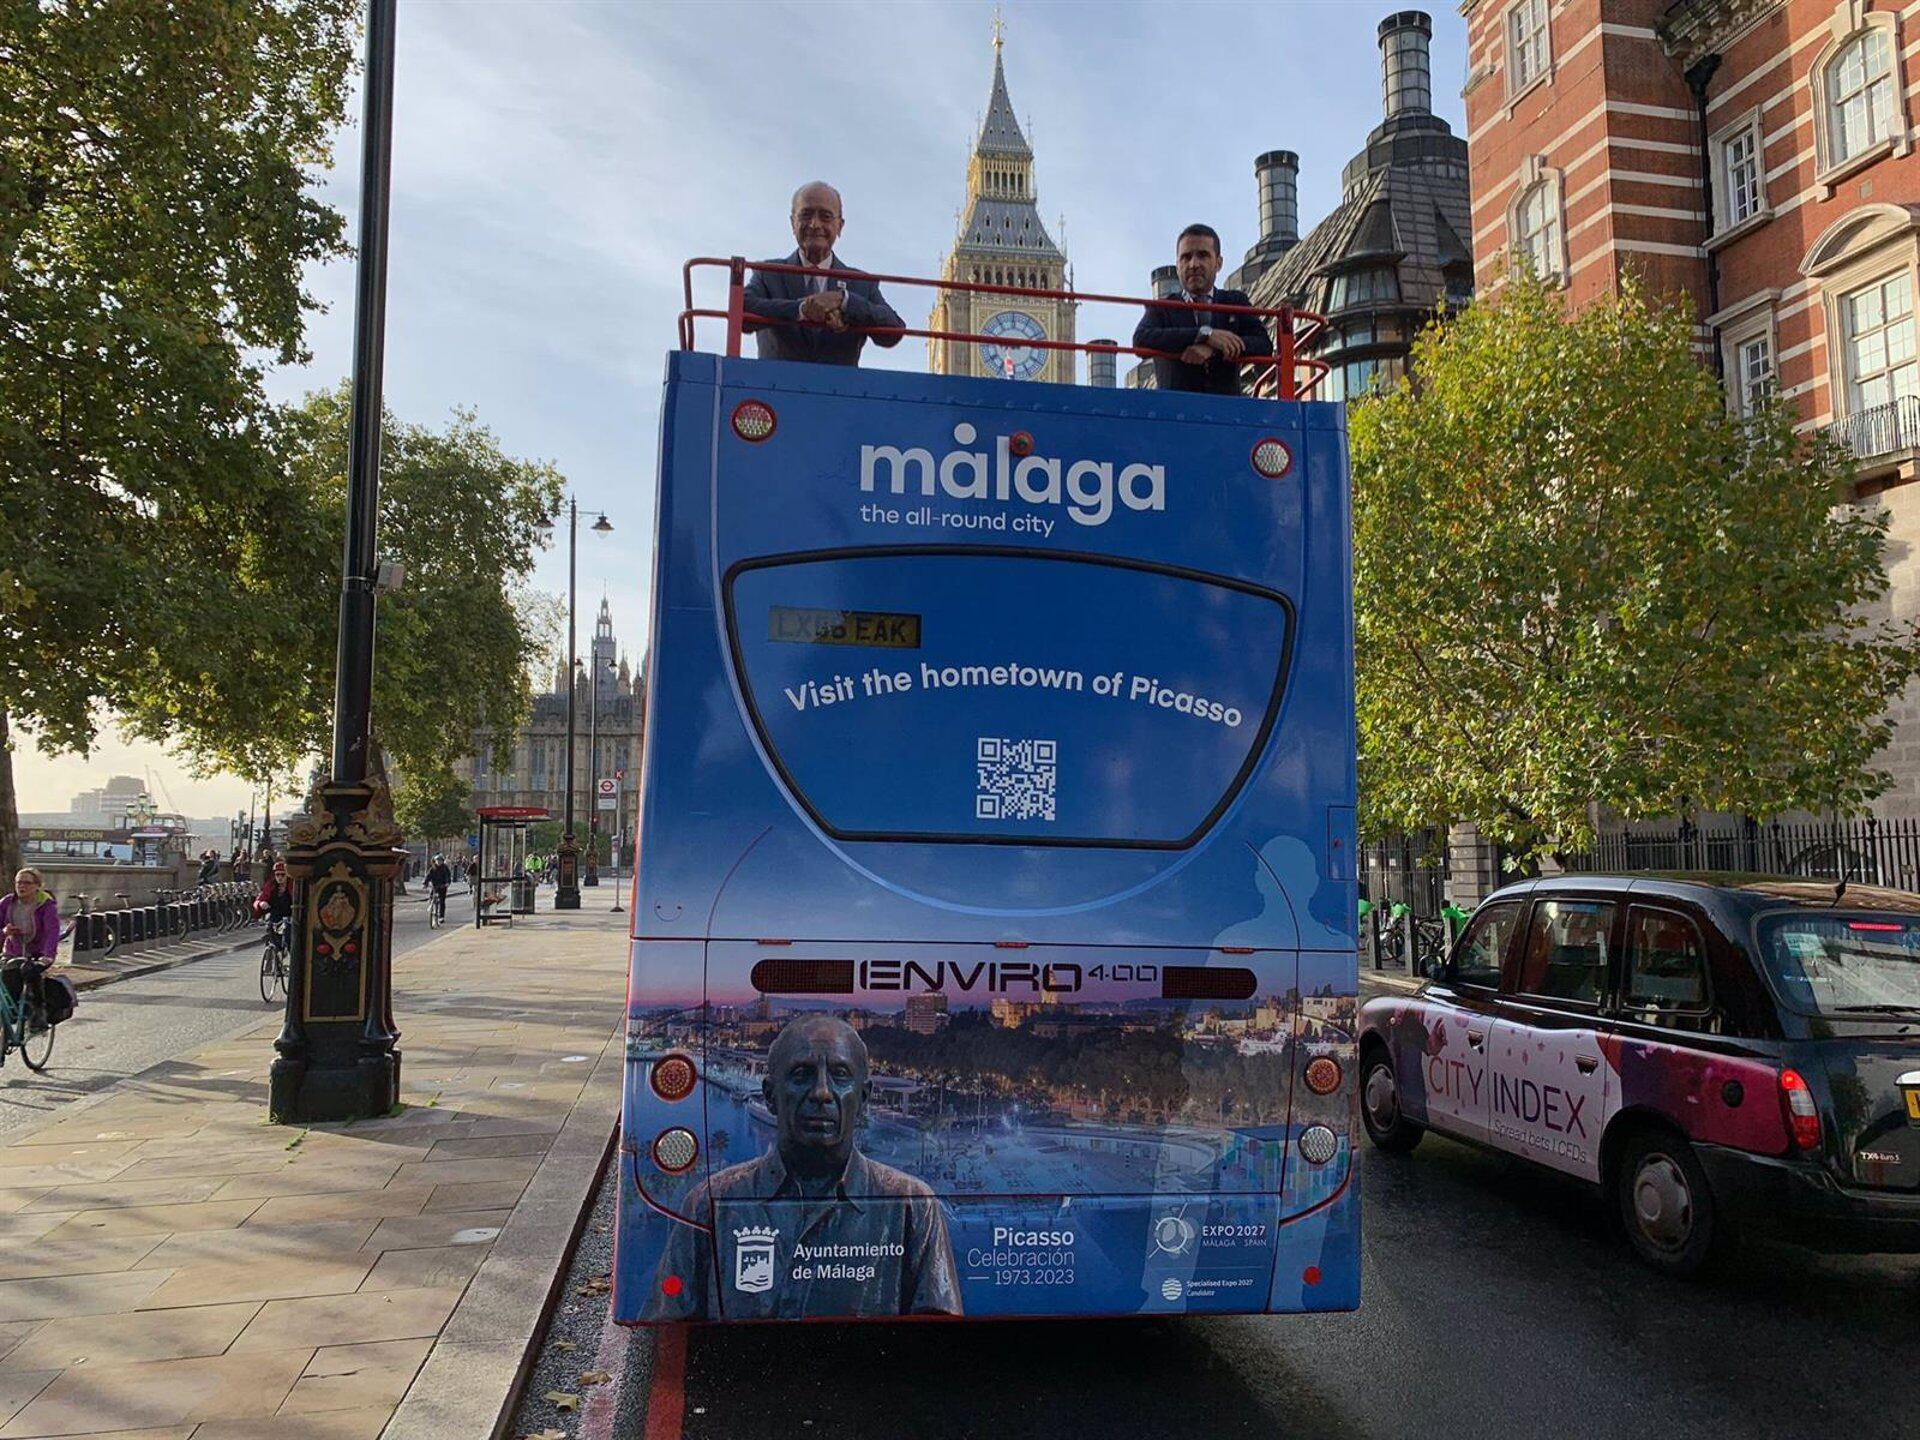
[465, 521]
[154, 224]
[434, 808]
[1581, 582]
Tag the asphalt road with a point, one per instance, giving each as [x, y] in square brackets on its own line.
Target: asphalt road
[124, 1028]
[1496, 1302]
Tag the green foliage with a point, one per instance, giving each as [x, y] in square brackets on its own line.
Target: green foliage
[439, 807]
[1580, 582]
[465, 521]
[154, 226]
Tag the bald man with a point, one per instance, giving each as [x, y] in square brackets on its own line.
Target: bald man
[813, 1227]
[817, 317]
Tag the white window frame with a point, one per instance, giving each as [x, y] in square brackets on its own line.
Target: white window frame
[1510, 29]
[1843, 335]
[1849, 22]
[1726, 227]
[1739, 326]
[1539, 178]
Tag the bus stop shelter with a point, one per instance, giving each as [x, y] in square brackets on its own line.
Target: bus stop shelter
[504, 889]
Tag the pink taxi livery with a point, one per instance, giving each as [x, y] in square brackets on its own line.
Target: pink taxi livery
[1720, 1053]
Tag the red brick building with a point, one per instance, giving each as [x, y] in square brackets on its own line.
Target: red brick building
[1756, 155]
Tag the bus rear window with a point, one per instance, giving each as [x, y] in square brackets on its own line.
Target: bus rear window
[1033, 699]
[1845, 964]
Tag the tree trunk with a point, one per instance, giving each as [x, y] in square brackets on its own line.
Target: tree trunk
[9, 806]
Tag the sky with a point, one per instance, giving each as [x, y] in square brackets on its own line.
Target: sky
[555, 163]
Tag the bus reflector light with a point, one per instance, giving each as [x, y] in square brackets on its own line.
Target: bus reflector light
[754, 421]
[1311, 1275]
[1318, 1144]
[1020, 443]
[1323, 1075]
[673, 1078]
[675, 1150]
[1272, 458]
[672, 1285]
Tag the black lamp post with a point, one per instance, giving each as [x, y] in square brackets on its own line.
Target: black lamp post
[336, 1058]
[566, 893]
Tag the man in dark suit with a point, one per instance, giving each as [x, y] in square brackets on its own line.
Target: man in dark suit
[778, 305]
[1208, 343]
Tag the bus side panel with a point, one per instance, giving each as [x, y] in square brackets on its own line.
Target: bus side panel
[1317, 1266]
[660, 1216]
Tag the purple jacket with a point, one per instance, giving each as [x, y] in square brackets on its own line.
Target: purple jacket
[45, 940]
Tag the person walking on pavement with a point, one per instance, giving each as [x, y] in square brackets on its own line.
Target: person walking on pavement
[209, 868]
[29, 931]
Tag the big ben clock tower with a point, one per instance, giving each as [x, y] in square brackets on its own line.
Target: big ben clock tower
[1003, 241]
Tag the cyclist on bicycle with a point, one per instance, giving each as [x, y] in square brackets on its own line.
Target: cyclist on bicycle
[439, 877]
[30, 923]
[275, 900]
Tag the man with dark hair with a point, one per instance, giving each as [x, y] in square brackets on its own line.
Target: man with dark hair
[812, 1227]
[817, 317]
[1209, 343]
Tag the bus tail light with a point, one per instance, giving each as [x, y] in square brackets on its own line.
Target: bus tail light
[1803, 1117]
[675, 1150]
[754, 421]
[673, 1078]
[1272, 458]
[1323, 1075]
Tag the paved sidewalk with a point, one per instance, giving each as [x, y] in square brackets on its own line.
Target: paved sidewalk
[178, 1268]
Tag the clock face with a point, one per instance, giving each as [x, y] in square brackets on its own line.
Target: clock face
[1014, 357]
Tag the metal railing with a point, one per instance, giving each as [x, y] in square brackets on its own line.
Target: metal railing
[1881, 429]
[1866, 852]
[1276, 375]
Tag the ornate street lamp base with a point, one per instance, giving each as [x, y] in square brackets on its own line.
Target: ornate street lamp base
[337, 1058]
[566, 890]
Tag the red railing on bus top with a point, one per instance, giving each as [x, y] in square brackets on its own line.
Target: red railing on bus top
[1276, 376]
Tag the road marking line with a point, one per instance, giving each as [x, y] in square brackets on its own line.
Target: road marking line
[667, 1405]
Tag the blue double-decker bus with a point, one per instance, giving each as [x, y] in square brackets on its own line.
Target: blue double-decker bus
[994, 920]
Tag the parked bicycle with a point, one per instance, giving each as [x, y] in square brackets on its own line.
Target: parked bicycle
[273, 961]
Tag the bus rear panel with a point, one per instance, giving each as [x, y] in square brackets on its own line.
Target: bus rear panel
[994, 918]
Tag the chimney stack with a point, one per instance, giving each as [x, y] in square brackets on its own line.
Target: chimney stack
[1165, 282]
[1278, 175]
[1406, 65]
[1102, 372]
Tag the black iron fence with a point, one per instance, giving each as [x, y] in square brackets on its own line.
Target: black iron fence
[1408, 870]
[1868, 852]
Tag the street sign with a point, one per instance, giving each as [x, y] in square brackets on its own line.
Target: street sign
[609, 788]
[619, 774]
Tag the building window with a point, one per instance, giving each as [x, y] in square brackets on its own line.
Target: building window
[1739, 174]
[1537, 229]
[1528, 54]
[1752, 373]
[1860, 95]
[1877, 323]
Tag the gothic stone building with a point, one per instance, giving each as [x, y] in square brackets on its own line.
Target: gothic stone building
[1003, 241]
[535, 773]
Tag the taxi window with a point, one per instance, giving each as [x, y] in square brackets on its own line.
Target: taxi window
[1476, 961]
[1666, 966]
[1566, 953]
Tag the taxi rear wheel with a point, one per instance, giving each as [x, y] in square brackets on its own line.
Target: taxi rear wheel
[1387, 1125]
[1665, 1203]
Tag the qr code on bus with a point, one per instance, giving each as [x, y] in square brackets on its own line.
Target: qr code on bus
[1016, 779]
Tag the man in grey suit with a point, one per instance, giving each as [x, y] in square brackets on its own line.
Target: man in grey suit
[778, 304]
